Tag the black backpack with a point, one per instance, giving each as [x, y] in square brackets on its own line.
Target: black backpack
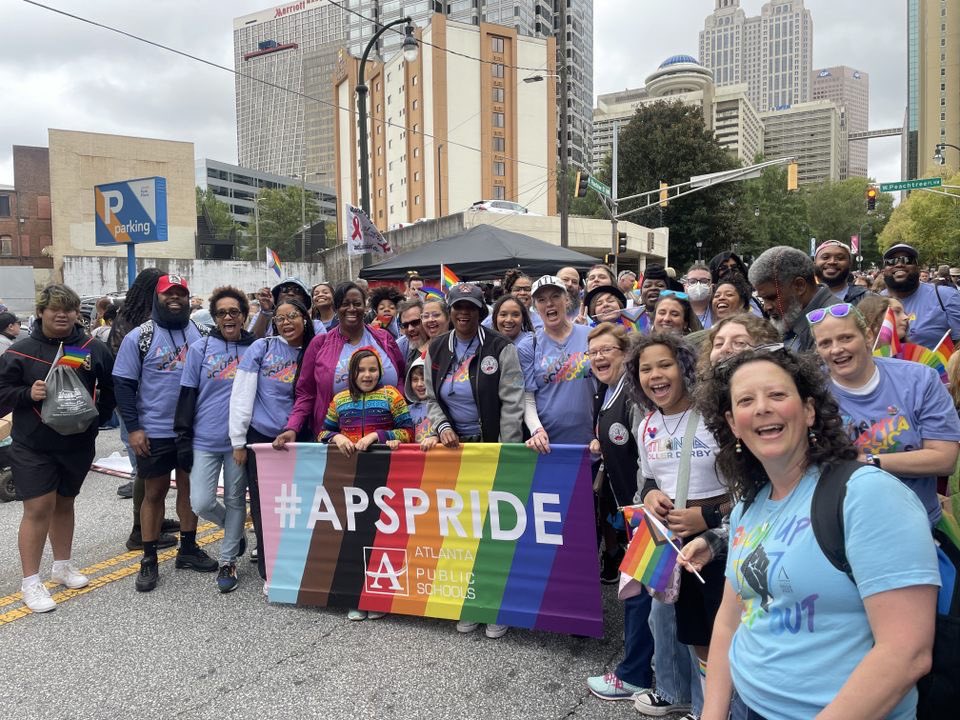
[939, 690]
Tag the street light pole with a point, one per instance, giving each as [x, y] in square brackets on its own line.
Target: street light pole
[564, 191]
[303, 217]
[938, 157]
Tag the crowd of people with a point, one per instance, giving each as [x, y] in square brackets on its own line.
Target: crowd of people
[720, 401]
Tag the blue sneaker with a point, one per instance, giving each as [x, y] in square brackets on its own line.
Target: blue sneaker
[227, 578]
[610, 687]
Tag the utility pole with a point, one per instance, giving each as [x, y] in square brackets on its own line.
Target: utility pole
[614, 233]
[564, 123]
[303, 217]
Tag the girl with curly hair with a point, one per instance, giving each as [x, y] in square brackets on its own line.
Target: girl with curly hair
[853, 649]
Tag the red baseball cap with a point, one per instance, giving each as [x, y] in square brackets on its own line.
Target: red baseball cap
[168, 281]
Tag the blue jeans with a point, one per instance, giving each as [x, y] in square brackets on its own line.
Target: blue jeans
[677, 679]
[740, 711]
[203, 497]
[637, 642]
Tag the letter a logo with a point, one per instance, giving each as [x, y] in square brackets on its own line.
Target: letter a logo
[385, 571]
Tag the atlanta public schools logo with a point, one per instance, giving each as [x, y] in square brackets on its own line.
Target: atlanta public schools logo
[385, 571]
[618, 434]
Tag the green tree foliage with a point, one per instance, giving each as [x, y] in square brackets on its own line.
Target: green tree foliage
[217, 213]
[280, 222]
[930, 223]
[772, 215]
[837, 210]
[668, 142]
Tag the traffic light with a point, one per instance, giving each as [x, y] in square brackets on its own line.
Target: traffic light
[621, 242]
[792, 170]
[872, 194]
[609, 259]
[664, 194]
[580, 185]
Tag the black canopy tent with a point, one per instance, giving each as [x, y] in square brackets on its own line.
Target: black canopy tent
[480, 253]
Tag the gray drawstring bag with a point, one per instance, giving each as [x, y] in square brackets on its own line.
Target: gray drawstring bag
[68, 408]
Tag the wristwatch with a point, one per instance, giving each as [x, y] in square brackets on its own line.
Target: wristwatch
[873, 459]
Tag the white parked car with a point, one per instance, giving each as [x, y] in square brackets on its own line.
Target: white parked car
[501, 206]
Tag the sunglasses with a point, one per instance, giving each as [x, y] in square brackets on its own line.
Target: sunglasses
[840, 310]
[410, 323]
[899, 260]
[229, 312]
[674, 293]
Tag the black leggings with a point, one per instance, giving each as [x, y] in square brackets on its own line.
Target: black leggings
[253, 487]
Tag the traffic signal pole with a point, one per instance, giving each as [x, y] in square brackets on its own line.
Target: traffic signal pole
[614, 235]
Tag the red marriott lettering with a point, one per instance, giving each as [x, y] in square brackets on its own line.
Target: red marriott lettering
[287, 9]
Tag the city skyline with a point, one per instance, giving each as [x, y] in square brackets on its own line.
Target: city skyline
[61, 77]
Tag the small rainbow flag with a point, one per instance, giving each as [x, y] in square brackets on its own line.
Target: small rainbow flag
[924, 356]
[634, 319]
[74, 357]
[944, 351]
[273, 263]
[651, 555]
[448, 278]
[888, 342]
[430, 293]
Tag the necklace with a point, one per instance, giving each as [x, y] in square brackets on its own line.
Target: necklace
[675, 427]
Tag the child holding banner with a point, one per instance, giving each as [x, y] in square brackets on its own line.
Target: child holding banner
[415, 390]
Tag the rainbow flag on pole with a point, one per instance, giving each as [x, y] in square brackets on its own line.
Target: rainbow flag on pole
[448, 278]
[887, 343]
[74, 357]
[488, 532]
[943, 352]
[651, 555]
[273, 263]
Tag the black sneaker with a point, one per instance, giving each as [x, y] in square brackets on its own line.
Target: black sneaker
[169, 526]
[149, 575]
[126, 491]
[649, 703]
[135, 541]
[196, 559]
[227, 578]
[610, 567]
[254, 555]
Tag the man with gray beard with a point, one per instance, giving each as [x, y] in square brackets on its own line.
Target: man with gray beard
[785, 280]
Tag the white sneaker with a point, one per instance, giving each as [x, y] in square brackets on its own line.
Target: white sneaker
[68, 575]
[465, 626]
[357, 615]
[37, 598]
[374, 615]
[496, 631]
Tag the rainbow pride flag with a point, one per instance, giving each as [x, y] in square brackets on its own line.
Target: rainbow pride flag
[888, 342]
[924, 356]
[430, 293]
[650, 557]
[488, 532]
[74, 357]
[273, 263]
[635, 319]
[943, 352]
[448, 278]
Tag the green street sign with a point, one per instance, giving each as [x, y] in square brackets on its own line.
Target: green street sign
[911, 184]
[598, 186]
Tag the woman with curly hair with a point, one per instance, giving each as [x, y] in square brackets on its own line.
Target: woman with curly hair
[850, 649]
[682, 487]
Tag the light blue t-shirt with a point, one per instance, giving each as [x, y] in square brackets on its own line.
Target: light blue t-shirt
[928, 321]
[421, 421]
[908, 405]
[341, 374]
[158, 374]
[275, 364]
[456, 391]
[559, 376]
[803, 627]
[211, 366]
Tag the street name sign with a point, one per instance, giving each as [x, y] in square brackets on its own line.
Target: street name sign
[911, 184]
[598, 186]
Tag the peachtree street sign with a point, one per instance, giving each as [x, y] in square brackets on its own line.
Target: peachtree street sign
[598, 186]
[911, 184]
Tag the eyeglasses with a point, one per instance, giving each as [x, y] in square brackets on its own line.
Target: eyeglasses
[410, 323]
[522, 288]
[840, 310]
[674, 293]
[288, 318]
[431, 316]
[695, 281]
[899, 260]
[601, 351]
[228, 312]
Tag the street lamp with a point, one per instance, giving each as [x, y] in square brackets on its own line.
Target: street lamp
[938, 157]
[699, 251]
[564, 128]
[410, 51]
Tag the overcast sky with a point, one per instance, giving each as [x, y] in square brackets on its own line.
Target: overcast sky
[62, 73]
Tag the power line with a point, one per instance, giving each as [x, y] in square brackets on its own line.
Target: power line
[268, 83]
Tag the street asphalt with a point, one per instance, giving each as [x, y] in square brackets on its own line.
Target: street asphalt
[186, 651]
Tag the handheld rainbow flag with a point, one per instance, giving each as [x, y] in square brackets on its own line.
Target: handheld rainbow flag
[651, 555]
[944, 351]
[430, 293]
[448, 278]
[73, 357]
[887, 343]
[924, 356]
[273, 263]
[634, 320]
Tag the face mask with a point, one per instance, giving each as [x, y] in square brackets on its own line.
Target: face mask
[699, 292]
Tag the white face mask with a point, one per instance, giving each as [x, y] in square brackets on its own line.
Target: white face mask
[698, 292]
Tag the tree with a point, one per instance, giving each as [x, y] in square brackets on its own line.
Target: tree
[668, 142]
[838, 210]
[772, 215]
[280, 222]
[930, 223]
[216, 212]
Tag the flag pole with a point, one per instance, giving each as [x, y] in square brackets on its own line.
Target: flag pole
[937, 346]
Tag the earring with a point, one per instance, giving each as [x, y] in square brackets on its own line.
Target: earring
[812, 437]
[738, 448]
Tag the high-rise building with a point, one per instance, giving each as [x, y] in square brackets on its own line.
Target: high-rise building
[812, 134]
[285, 58]
[533, 18]
[445, 132]
[771, 53]
[933, 85]
[849, 89]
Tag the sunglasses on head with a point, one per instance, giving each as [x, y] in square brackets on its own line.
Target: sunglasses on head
[840, 310]
[900, 260]
[674, 293]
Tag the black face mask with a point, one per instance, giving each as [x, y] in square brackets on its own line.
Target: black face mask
[910, 283]
[167, 319]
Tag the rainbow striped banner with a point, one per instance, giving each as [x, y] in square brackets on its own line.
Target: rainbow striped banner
[650, 557]
[492, 533]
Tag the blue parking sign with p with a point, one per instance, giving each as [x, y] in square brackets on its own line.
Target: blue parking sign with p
[131, 212]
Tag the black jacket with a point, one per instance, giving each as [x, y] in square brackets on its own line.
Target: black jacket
[618, 445]
[29, 360]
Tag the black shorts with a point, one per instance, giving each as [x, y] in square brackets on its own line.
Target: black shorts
[698, 603]
[161, 461]
[37, 473]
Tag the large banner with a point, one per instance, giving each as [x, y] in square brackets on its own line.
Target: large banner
[490, 533]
